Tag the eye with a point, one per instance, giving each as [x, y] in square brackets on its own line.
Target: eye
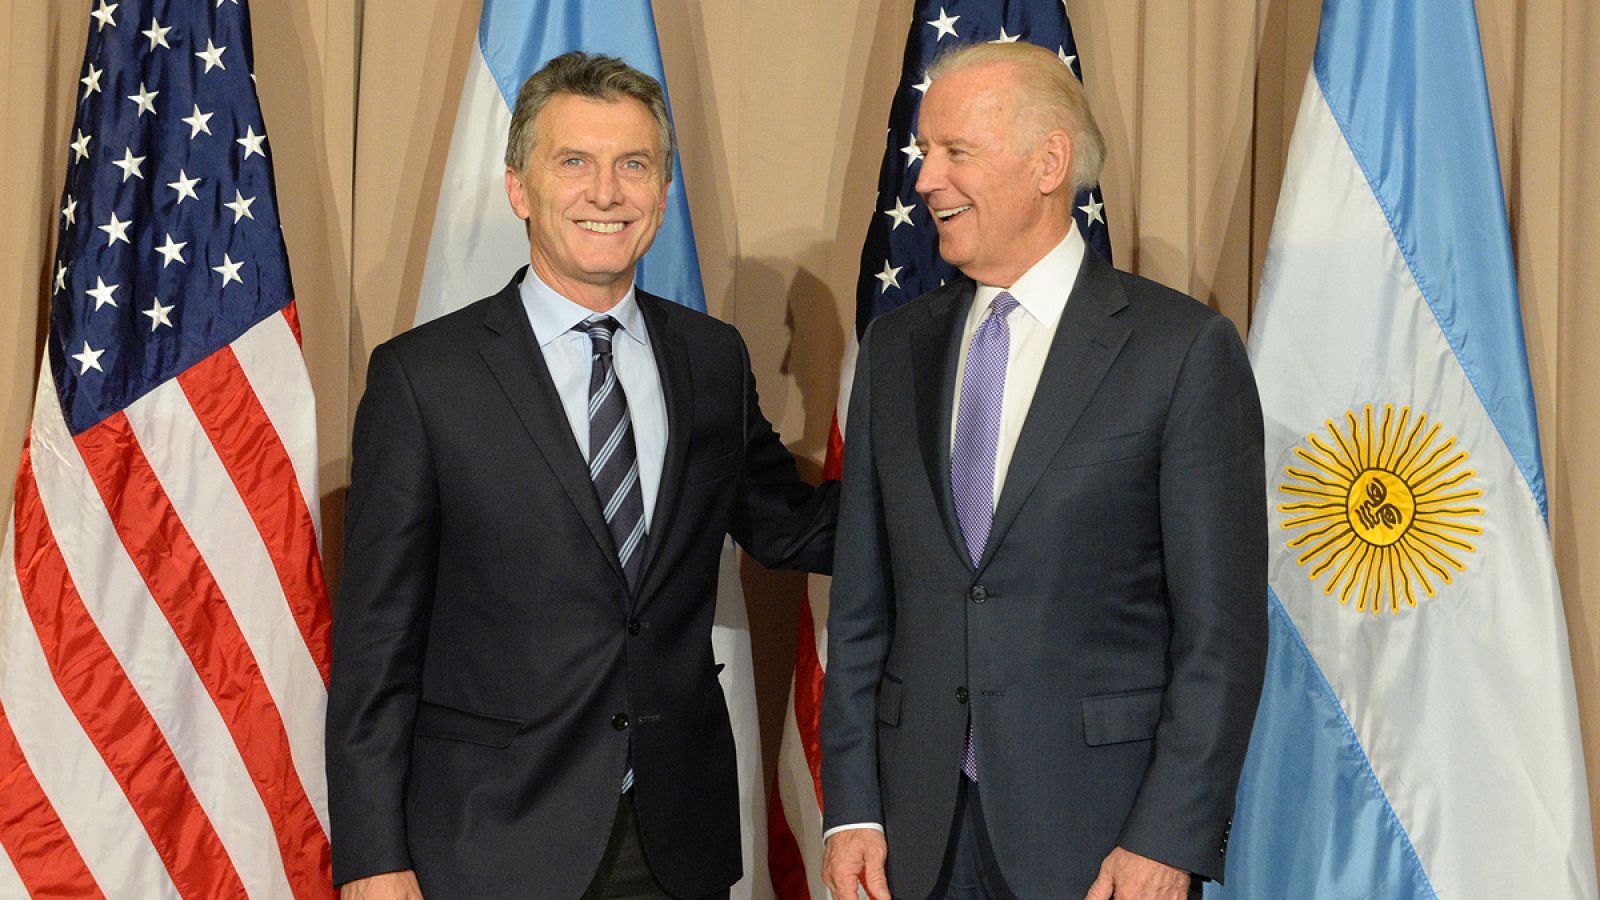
[635, 165]
[571, 162]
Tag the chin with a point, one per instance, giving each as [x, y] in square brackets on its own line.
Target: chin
[959, 260]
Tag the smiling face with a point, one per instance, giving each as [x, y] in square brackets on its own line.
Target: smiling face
[996, 196]
[593, 194]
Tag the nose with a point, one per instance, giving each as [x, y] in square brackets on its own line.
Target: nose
[605, 189]
[930, 173]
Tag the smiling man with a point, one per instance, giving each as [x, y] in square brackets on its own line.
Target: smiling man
[524, 701]
[1048, 619]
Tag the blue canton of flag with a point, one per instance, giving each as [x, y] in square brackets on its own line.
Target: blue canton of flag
[900, 259]
[169, 245]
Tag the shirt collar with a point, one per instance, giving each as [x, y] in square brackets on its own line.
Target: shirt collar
[553, 316]
[1042, 291]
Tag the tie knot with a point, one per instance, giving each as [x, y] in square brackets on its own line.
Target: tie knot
[600, 330]
[1003, 304]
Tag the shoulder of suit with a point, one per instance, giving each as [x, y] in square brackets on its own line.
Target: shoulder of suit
[453, 328]
[462, 330]
[919, 308]
[1156, 300]
[690, 324]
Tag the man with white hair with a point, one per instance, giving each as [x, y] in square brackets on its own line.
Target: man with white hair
[1048, 620]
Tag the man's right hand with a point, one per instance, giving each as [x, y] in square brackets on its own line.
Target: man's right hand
[388, 886]
[855, 857]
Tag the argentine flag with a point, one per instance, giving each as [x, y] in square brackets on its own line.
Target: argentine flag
[1418, 735]
[477, 242]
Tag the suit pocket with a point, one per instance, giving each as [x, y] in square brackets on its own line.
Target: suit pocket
[1106, 450]
[1121, 717]
[890, 694]
[450, 724]
[712, 469]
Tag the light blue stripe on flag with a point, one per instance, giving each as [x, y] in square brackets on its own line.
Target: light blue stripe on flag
[519, 36]
[1405, 81]
[1418, 732]
[1347, 841]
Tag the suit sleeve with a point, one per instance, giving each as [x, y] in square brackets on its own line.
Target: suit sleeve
[859, 625]
[782, 521]
[380, 624]
[1214, 546]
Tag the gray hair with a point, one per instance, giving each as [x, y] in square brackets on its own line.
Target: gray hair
[596, 77]
[1051, 97]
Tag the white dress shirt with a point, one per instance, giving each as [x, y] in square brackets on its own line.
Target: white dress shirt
[569, 357]
[1041, 295]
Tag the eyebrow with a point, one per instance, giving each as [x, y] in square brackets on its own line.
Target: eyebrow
[954, 143]
[574, 151]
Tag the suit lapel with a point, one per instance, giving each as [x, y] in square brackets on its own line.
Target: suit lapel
[1087, 341]
[677, 388]
[518, 366]
[935, 351]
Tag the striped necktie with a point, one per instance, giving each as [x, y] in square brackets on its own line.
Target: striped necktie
[613, 461]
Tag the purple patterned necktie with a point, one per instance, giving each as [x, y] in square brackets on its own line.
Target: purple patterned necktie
[983, 387]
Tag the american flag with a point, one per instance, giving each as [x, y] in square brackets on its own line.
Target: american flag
[899, 262]
[163, 617]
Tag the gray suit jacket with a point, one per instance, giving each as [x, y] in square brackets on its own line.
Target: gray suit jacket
[1109, 646]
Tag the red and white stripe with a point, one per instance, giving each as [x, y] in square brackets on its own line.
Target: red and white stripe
[794, 812]
[164, 641]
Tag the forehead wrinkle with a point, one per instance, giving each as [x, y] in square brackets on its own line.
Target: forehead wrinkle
[1001, 104]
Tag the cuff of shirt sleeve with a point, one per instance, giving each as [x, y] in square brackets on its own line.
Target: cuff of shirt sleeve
[838, 828]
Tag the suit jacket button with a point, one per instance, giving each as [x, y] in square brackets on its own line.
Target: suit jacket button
[979, 593]
[620, 721]
[961, 695]
[633, 627]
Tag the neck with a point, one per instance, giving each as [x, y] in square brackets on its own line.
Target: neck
[596, 297]
[1032, 248]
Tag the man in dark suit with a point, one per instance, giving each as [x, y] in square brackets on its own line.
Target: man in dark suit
[524, 701]
[1048, 619]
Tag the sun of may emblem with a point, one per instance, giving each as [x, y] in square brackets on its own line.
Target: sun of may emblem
[1382, 510]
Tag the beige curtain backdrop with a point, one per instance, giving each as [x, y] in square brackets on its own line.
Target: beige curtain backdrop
[780, 109]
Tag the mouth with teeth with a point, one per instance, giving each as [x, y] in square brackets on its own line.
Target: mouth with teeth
[601, 227]
[945, 215]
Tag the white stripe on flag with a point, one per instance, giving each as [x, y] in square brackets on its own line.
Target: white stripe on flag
[1456, 702]
[142, 640]
[477, 241]
[730, 646]
[817, 605]
[270, 357]
[798, 792]
[10, 881]
[194, 479]
[90, 803]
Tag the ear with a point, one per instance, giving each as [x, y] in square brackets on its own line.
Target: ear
[1055, 161]
[661, 208]
[516, 192]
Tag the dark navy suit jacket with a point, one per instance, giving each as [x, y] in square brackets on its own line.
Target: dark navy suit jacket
[491, 668]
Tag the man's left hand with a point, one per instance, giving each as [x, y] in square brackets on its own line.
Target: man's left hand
[1129, 876]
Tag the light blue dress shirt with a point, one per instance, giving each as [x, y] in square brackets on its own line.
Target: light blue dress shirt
[568, 356]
